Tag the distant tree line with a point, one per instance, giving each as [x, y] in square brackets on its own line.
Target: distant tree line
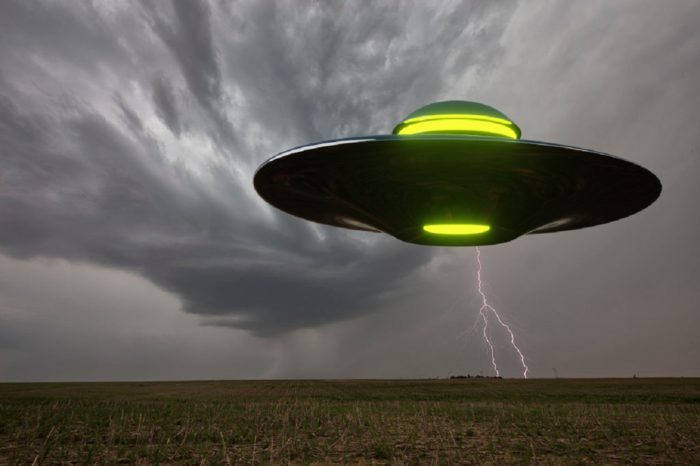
[468, 376]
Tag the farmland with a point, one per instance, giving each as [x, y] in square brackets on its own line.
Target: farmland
[472, 421]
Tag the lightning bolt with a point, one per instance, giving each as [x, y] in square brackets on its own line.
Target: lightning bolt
[483, 313]
[488, 340]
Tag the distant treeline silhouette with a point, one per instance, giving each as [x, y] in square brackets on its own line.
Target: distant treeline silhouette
[468, 376]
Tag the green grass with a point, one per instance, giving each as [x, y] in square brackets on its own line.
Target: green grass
[476, 421]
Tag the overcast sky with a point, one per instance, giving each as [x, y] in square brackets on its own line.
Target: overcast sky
[133, 246]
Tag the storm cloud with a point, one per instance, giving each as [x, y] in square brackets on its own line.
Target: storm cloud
[87, 176]
[130, 132]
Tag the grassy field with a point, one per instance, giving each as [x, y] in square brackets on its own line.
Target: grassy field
[475, 421]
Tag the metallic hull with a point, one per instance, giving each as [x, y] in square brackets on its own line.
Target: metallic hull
[397, 184]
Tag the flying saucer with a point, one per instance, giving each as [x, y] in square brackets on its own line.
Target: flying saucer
[454, 174]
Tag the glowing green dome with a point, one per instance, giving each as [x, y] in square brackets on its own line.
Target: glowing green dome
[458, 117]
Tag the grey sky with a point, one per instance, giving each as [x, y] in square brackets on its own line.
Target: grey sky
[132, 244]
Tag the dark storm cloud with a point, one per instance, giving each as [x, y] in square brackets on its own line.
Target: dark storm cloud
[342, 70]
[70, 33]
[188, 36]
[186, 29]
[166, 105]
[130, 132]
[86, 176]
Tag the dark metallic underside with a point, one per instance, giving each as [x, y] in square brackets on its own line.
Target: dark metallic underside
[398, 184]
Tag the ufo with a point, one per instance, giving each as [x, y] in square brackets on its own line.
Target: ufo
[454, 173]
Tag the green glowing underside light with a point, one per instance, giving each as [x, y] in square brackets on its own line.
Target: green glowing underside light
[456, 229]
